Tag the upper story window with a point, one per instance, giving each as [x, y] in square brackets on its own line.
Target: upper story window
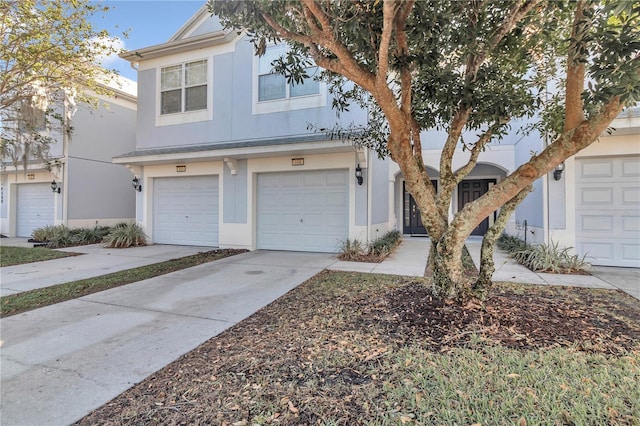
[183, 87]
[273, 86]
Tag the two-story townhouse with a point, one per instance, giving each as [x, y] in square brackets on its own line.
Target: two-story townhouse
[224, 156]
[77, 185]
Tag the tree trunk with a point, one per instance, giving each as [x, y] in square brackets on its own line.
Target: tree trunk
[484, 282]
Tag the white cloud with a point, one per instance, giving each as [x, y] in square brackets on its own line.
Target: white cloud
[108, 49]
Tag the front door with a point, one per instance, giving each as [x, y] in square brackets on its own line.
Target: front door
[412, 219]
[471, 190]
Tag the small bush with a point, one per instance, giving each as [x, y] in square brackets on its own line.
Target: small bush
[55, 236]
[128, 235]
[60, 236]
[375, 251]
[543, 257]
[509, 243]
[351, 249]
[384, 245]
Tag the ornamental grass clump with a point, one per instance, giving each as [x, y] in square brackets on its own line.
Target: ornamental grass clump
[549, 258]
[125, 235]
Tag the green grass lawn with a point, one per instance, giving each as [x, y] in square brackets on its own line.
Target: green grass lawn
[22, 302]
[18, 255]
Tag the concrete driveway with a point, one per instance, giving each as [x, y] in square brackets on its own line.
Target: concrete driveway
[60, 362]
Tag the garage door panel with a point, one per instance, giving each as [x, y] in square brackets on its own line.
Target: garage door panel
[597, 223]
[596, 169]
[630, 168]
[186, 210]
[608, 210]
[631, 224]
[301, 211]
[596, 196]
[631, 252]
[631, 196]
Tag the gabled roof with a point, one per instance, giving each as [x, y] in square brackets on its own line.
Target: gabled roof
[191, 24]
[183, 41]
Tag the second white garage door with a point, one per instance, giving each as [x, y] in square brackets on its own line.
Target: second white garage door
[34, 207]
[185, 211]
[608, 210]
[303, 211]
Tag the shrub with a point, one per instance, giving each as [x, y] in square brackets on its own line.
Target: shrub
[375, 251]
[55, 236]
[127, 235]
[543, 257]
[509, 243]
[351, 249]
[385, 244]
[83, 236]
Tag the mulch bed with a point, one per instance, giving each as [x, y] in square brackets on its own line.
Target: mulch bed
[278, 349]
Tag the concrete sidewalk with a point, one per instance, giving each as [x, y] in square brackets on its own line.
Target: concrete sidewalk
[60, 362]
[410, 259]
[94, 261]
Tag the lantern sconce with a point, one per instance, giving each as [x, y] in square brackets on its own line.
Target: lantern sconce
[136, 184]
[55, 187]
[359, 175]
[557, 173]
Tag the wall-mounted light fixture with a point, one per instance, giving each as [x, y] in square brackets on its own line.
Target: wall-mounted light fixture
[359, 175]
[136, 184]
[54, 186]
[557, 173]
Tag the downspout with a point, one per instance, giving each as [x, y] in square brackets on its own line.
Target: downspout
[369, 192]
[65, 163]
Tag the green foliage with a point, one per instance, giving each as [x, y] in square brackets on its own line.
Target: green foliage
[385, 244]
[351, 249]
[129, 235]
[54, 235]
[374, 251]
[543, 257]
[509, 243]
[61, 236]
[50, 53]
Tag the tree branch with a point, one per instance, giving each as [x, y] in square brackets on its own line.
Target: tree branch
[574, 108]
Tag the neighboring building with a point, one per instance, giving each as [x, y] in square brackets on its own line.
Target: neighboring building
[91, 190]
[225, 158]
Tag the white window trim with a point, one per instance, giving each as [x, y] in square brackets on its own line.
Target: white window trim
[187, 116]
[287, 104]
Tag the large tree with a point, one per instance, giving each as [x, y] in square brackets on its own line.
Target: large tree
[50, 55]
[466, 67]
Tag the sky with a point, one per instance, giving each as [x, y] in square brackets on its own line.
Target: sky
[148, 22]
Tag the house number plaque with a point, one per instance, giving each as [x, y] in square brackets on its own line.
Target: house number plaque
[297, 161]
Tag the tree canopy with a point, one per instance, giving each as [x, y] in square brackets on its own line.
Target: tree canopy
[50, 50]
[567, 68]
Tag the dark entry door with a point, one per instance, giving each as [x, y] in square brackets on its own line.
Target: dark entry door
[470, 190]
[412, 219]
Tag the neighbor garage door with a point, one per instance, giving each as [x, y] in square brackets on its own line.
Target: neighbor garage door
[302, 211]
[185, 211]
[34, 207]
[608, 210]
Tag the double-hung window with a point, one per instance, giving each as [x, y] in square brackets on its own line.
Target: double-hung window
[273, 86]
[183, 87]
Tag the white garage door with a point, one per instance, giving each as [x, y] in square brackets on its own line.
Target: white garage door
[34, 207]
[608, 210]
[302, 211]
[185, 211]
